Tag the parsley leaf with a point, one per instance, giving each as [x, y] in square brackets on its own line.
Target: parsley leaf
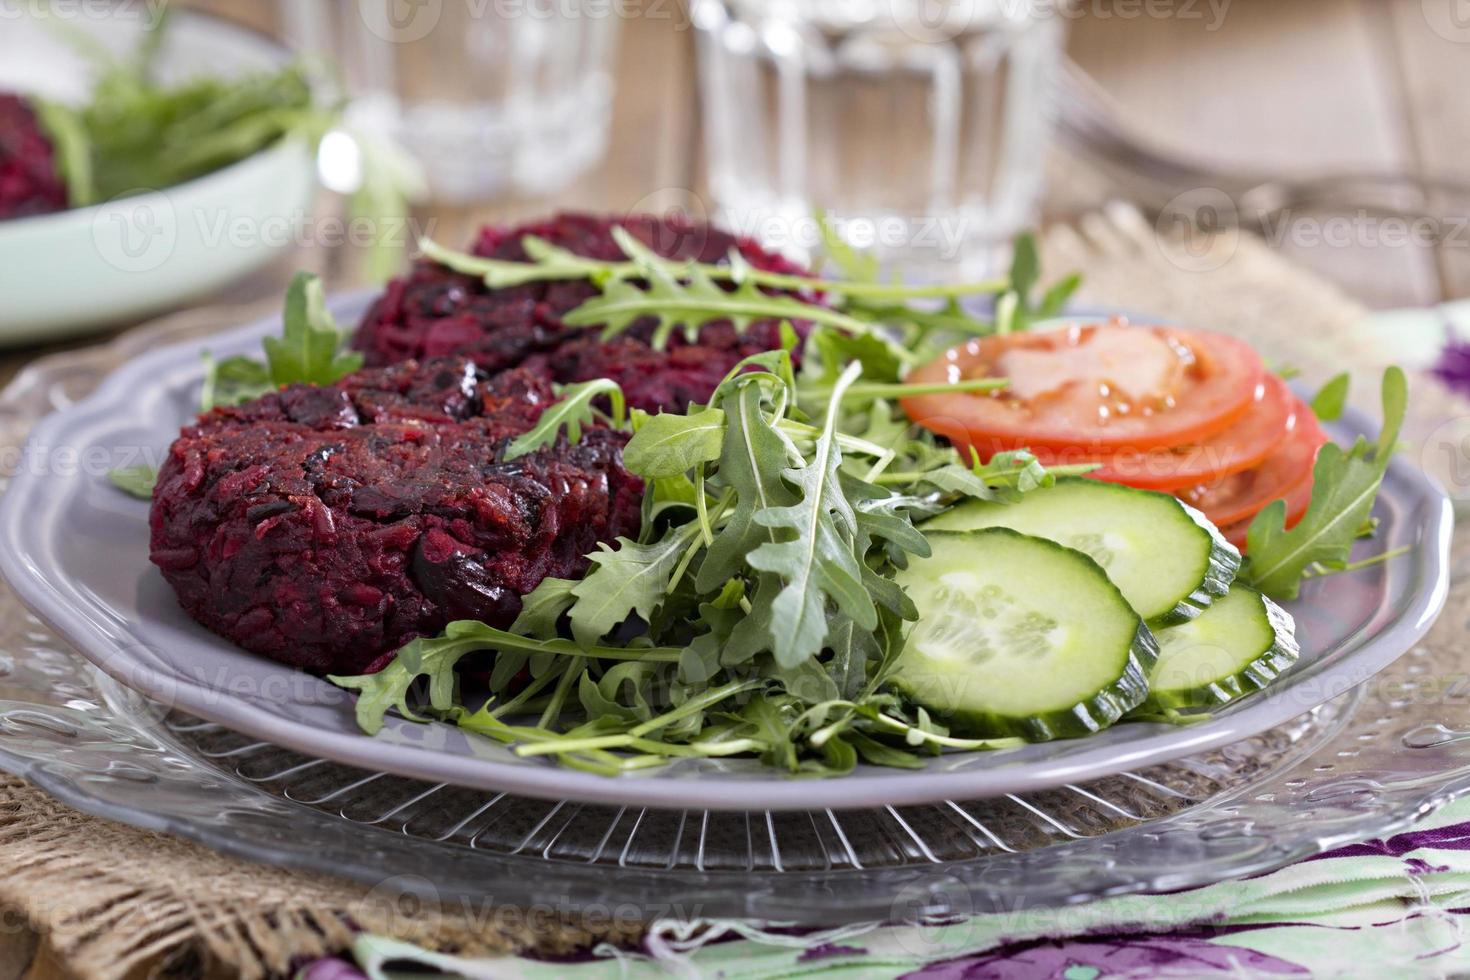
[1345, 483]
[309, 350]
[232, 381]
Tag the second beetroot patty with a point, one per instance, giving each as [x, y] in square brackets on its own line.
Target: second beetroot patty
[434, 312]
[325, 526]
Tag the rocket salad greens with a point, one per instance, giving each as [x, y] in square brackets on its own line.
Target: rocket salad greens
[818, 580]
[785, 598]
[763, 579]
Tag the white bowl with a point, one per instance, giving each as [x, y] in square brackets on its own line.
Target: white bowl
[65, 273]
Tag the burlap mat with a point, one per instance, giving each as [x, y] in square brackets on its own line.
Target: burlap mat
[110, 899]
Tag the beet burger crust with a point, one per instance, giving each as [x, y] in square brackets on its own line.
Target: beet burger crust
[436, 312]
[325, 526]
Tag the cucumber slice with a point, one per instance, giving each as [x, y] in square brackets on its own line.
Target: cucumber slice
[1169, 561]
[1018, 635]
[1240, 644]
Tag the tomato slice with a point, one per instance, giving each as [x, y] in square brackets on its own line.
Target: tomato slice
[1298, 498]
[1268, 423]
[1240, 496]
[1090, 389]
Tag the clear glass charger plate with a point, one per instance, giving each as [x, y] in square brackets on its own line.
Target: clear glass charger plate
[1365, 762]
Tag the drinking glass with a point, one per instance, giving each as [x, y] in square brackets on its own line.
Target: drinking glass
[490, 96]
[918, 127]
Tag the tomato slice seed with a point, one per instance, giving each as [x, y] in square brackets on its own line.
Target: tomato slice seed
[1272, 418]
[1077, 391]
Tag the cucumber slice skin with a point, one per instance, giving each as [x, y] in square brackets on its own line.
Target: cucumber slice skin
[1262, 665]
[1100, 708]
[1222, 567]
[1100, 503]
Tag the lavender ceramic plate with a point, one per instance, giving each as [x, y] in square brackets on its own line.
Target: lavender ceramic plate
[75, 550]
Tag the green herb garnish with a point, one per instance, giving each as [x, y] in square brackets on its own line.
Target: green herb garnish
[574, 410]
[137, 133]
[760, 598]
[135, 481]
[310, 350]
[1332, 399]
[1344, 485]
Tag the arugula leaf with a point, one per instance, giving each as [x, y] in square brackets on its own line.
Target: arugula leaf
[138, 133]
[574, 410]
[1332, 399]
[674, 304]
[667, 445]
[1054, 300]
[878, 753]
[309, 350]
[631, 578]
[833, 351]
[543, 606]
[548, 264]
[769, 595]
[818, 560]
[135, 481]
[1016, 310]
[751, 461]
[1025, 265]
[1345, 484]
[436, 657]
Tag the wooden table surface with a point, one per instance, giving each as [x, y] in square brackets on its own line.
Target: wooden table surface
[1292, 86]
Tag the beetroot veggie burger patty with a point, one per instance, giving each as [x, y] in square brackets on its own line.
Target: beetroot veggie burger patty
[325, 526]
[435, 311]
[29, 180]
